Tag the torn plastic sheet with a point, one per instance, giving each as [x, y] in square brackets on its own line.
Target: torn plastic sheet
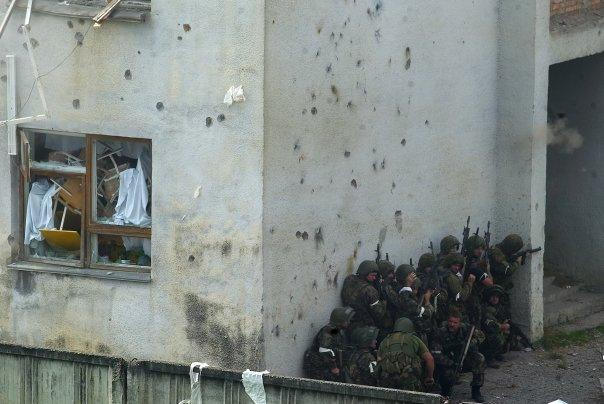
[234, 94]
[254, 387]
[194, 371]
[558, 402]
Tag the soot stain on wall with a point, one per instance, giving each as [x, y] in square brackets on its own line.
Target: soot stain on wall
[26, 283]
[232, 347]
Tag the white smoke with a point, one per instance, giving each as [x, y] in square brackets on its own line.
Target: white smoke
[563, 138]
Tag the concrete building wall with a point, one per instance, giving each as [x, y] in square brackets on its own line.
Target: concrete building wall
[206, 308]
[523, 61]
[574, 226]
[380, 124]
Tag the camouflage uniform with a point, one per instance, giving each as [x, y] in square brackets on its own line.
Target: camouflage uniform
[478, 267]
[404, 302]
[499, 257]
[327, 348]
[385, 287]
[426, 272]
[361, 367]
[493, 317]
[427, 268]
[447, 349]
[364, 298]
[457, 292]
[400, 358]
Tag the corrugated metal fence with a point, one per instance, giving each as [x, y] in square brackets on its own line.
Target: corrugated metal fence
[40, 376]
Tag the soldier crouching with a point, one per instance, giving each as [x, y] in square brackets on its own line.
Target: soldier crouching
[323, 360]
[448, 349]
[401, 359]
[361, 367]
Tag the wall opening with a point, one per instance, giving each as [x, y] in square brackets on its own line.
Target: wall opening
[574, 228]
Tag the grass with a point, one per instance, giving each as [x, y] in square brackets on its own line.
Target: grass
[554, 339]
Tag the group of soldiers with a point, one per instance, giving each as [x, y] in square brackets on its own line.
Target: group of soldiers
[418, 328]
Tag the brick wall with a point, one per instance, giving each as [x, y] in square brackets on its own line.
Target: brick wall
[569, 6]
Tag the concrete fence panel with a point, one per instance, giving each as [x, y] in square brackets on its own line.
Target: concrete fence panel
[40, 376]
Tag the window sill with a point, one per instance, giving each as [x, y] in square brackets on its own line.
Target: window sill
[84, 272]
[133, 13]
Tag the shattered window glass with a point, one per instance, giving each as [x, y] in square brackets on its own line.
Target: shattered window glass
[56, 152]
[123, 183]
[121, 250]
[86, 200]
[53, 223]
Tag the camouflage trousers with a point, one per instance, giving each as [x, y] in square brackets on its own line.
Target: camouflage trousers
[316, 368]
[410, 382]
[474, 363]
[493, 345]
[474, 310]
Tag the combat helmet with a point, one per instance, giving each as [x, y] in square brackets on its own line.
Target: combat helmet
[425, 261]
[493, 290]
[363, 336]
[385, 267]
[403, 271]
[367, 267]
[341, 315]
[447, 243]
[511, 244]
[403, 324]
[454, 258]
[474, 242]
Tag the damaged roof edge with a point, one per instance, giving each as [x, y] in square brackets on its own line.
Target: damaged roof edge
[131, 11]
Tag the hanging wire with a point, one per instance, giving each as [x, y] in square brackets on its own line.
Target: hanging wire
[80, 42]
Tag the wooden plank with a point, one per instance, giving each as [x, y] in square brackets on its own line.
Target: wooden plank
[115, 230]
[129, 12]
[105, 12]
[11, 104]
[25, 157]
[7, 15]
[35, 71]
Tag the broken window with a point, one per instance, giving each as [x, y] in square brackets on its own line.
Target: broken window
[86, 200]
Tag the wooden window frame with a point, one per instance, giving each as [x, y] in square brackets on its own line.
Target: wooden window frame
[88, 226]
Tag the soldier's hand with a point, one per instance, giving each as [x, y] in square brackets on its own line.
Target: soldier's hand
[427, 296]
[429, 381]
[411, 279]
[335, 371]
[519, 260]
[505, 327]
[471, 278]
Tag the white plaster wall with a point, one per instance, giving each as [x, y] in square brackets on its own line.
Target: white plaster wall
[208, 309]
[574, 227]
[523, 61]
[421, 142]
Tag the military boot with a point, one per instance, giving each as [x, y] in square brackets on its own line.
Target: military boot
[476, 395]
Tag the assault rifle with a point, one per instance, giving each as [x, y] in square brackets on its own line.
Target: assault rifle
[486, 255]
[464, 353]
[522, 255]
[378, 251]
[487, 235]
[433, 282]
[466, 236]
[516, 332]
